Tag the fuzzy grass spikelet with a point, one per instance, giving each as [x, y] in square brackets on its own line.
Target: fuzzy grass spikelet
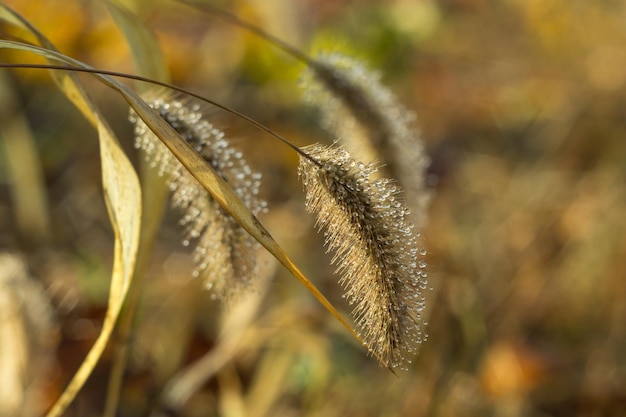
[376, 251]
[225, 254]
[369, 121]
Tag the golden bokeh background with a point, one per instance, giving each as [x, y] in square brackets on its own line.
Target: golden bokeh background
[522, 108]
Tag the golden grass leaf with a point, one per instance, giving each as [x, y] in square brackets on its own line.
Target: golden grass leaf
[122, 194]
[123, 199]
[226, 198]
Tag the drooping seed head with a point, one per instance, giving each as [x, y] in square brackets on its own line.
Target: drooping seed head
[225, 254]
[375, 249]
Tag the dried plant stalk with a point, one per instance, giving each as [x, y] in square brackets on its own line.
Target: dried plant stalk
[376, 249]
[225, 254]
[368, 120]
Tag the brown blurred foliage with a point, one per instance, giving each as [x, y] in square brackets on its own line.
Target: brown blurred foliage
[522, 107]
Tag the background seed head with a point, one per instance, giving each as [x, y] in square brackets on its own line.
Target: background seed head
[225, 254]
[370, 122]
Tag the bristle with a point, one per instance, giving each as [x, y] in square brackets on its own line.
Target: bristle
[376, 250]
[225, 254]
[368, 120]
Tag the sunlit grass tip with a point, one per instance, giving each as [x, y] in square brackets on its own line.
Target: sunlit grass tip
[375, 249]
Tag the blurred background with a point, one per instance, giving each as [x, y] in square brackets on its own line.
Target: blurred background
[522, 108]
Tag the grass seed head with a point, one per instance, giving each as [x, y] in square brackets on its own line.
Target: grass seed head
[375, 249]
[225, 254]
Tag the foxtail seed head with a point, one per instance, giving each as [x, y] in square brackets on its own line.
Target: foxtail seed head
[225, 254]
[376, 250]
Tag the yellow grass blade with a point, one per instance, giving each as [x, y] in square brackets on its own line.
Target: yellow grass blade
[226, 197]
[122, 194]
[123, 199]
